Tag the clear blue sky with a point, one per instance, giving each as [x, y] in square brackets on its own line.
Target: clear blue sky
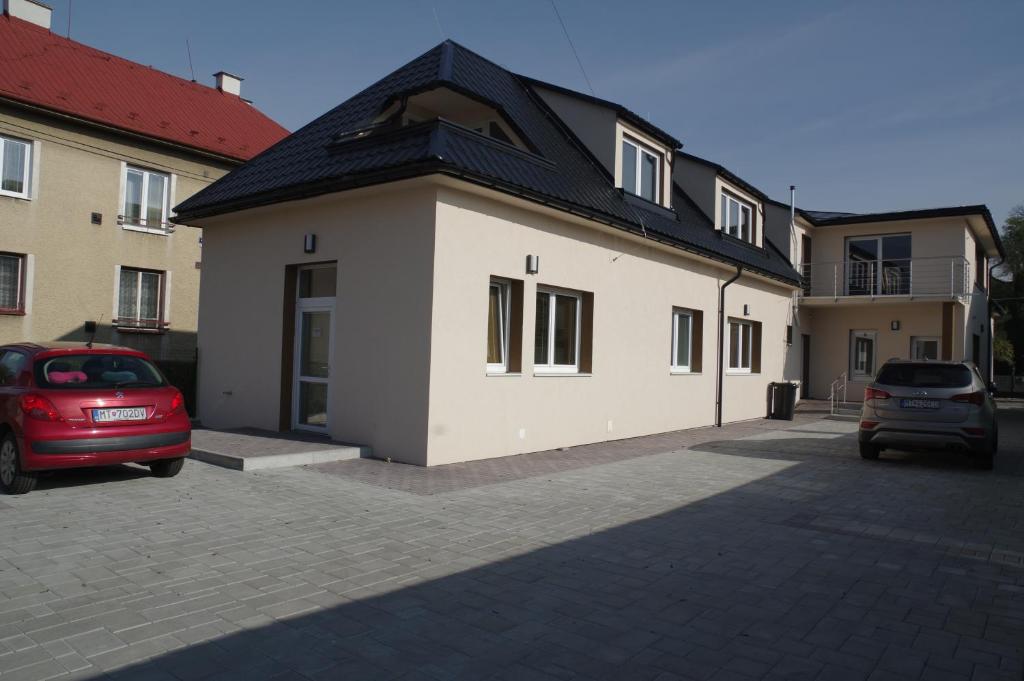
[863, 105]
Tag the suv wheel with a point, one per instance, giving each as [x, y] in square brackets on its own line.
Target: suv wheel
[984, 459]
[166, 468]
[12, 479]
[869, 451]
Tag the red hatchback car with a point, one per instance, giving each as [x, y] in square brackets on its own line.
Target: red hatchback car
[69, 405]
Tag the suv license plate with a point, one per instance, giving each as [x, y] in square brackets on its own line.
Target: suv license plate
[119, 414]
[919, 404]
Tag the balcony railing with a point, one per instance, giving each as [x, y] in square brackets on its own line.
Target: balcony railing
[947, 276]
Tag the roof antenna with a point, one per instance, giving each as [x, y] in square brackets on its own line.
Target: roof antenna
[69, 19]
[188, 50]
[572, 47]
[437, 22]
[90, 330]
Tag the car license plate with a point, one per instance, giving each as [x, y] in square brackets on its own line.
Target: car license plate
[919, 404]
[119, 414]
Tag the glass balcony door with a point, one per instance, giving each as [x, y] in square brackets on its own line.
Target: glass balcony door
[878, 265]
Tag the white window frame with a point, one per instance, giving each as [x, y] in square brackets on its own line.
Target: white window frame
[26, 180]
[504, 288]
[678, 366]
[550, 367]
[136, 323]
[914, 340]
[21, 303]
[142, 225]
[866, 334]
[746, 350]
[724, 204]
[642, 149]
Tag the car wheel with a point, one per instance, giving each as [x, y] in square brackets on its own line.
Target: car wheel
[869, 451]
[166, 468]
[985, 458]
[12, 479]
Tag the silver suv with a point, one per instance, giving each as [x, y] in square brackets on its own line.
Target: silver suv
[929, 405]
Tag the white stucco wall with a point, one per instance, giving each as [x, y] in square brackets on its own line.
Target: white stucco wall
[635, 286]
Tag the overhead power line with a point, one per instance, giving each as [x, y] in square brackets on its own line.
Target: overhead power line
[572, 47]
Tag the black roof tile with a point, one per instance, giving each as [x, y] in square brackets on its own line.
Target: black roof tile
[327, 155]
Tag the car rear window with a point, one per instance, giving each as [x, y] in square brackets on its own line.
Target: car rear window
[925, 375]
[96, 371]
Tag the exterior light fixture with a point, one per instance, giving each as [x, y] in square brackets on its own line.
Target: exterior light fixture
[894, 325]
[309, 243]
[746, 310]
[532, 264]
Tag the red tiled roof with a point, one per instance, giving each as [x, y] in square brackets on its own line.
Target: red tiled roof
[43, 69]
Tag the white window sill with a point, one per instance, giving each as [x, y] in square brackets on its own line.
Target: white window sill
[683, 372]
[563, 374]
[503, 373]
[10, 195]
[741, 372]
[147, 230]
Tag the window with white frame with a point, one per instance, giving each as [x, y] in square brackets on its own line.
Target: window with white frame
[682, 340]
[497, 326]
[556, 346]
[862, 353]
[924, 347]
[737, 217]
[15, 159]
[741, 346]
[12, 283]
[146, 198]
[641, 169]
[140, 299]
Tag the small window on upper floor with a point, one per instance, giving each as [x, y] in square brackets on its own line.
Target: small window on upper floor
[146, 200]
[737, 217]
[641, 170]
[15, 159]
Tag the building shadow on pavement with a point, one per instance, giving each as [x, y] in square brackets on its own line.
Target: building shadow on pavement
[791, 575]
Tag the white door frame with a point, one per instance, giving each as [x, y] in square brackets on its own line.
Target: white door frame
[303, 305]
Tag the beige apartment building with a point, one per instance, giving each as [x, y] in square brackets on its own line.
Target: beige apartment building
[94, 153]
[460, 263]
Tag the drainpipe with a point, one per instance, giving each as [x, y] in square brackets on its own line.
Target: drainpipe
[721, 345]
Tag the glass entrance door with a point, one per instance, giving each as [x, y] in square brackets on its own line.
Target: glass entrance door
[314, 323]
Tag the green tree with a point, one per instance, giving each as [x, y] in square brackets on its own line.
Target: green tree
[1013, 243]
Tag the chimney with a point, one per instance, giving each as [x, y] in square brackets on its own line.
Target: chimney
[229, 83]
[29, 10]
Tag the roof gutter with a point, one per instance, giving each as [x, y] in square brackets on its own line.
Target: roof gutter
[721, 345]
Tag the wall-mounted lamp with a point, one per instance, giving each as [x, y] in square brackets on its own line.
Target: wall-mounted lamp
[532, 264]
[309, 243]
[894, 325]
[746, 310]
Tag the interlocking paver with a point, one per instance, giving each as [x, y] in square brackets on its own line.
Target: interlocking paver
[761, 550]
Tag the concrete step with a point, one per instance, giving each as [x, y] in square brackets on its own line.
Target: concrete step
[248, 449]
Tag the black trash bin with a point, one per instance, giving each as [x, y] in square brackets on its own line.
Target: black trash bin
[781, 401]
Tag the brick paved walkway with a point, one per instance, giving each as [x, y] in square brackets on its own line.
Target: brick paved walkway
[778, 555]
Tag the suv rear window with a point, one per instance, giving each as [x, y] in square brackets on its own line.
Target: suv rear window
[96, 371]
[925, 375]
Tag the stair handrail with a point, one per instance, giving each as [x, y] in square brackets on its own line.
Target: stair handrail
[835, 388]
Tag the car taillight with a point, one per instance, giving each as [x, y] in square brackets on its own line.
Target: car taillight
[977, 398]
[975, 432]
[39, 408]
[875, 394]
[177, 403]
[868, 425]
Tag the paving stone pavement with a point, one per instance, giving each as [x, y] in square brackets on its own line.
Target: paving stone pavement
[756, 553]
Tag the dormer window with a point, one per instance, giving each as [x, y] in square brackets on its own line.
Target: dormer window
[641, 170]
[737, 217]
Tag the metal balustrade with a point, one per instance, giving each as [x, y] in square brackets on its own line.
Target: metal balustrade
[945, 276]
